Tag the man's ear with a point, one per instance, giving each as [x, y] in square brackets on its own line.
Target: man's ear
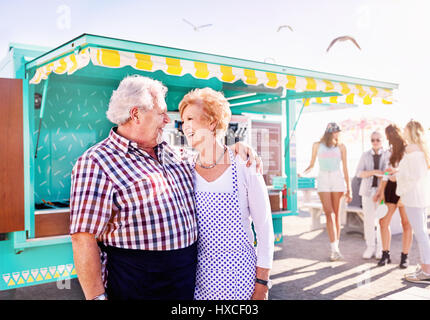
[134, 113]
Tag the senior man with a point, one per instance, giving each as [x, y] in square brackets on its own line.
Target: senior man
[132, 197]
[370, 168]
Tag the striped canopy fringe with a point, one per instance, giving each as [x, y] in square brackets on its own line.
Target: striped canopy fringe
[351, 93]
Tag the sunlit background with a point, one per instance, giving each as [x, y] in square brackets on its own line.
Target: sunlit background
[392, 35]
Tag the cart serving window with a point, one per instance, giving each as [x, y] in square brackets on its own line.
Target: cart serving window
[65, 93]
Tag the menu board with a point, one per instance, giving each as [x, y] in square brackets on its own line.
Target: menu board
[266, 139]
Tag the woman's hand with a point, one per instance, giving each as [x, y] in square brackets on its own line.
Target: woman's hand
[348, 197]
[375, 197]
[378, 197]
[307, 170]
[261, 292]
[246, 152]
[390, 170]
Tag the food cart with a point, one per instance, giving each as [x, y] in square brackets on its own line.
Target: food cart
[53, 109]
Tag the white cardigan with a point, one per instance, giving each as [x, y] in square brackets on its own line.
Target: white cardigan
[412, 180]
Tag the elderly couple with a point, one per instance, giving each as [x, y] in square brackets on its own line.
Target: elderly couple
[148, 222]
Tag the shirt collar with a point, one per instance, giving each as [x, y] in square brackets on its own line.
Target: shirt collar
[118, 141]
[380, 150]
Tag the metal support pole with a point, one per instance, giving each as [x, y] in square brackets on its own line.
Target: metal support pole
[290, 157]
[42, 111]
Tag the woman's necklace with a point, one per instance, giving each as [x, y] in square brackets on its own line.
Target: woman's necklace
[212, 165]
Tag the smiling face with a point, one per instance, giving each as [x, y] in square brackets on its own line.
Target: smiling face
[376, 140]
[151, 123]
[197, 128]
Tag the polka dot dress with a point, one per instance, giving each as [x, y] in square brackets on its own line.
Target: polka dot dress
[226, 259]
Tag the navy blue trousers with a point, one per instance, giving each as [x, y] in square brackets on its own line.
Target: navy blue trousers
[151, 275]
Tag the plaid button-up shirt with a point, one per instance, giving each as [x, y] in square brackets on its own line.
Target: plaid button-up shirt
[129, 200]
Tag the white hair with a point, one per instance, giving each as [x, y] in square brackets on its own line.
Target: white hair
[134, 91]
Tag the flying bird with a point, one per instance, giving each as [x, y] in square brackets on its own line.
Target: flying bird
[196, 28]
[343, 38]
[284, 26]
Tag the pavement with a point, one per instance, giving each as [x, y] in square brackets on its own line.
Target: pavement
[301, 270]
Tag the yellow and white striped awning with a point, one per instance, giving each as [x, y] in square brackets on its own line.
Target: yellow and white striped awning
[351, 93]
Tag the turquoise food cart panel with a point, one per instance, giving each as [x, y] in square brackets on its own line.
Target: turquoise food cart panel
[35, 265]
[73, 121]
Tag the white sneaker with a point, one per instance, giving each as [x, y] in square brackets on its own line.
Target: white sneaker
[336, 256]
[417, 270]
[368, 253]
[418, 276]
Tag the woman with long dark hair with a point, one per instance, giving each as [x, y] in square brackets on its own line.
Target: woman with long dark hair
[387, 192]
[331, 184]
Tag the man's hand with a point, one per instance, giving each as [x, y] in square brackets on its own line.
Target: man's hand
[86, 256]
[246, 152]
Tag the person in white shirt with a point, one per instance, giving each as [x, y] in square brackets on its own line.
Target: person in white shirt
[370, 168]
[229, 195]
[413, 189]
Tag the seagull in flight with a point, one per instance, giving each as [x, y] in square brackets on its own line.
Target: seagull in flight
[284, 26]
[196, 28]
[343, 38]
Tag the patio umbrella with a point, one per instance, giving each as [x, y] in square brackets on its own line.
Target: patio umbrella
[355, 129]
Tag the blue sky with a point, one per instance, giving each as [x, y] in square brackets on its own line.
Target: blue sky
[393, 35]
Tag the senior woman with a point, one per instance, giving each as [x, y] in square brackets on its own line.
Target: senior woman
[228, 196]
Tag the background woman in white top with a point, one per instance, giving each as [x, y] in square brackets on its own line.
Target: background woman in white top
[413, 189]
[331, 184]
[229, 195]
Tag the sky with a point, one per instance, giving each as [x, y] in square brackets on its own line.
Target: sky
[392, 34]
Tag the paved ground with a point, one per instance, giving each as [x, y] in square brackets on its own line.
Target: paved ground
[301, 270]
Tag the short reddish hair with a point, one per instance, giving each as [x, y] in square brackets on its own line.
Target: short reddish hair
[215, 106]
